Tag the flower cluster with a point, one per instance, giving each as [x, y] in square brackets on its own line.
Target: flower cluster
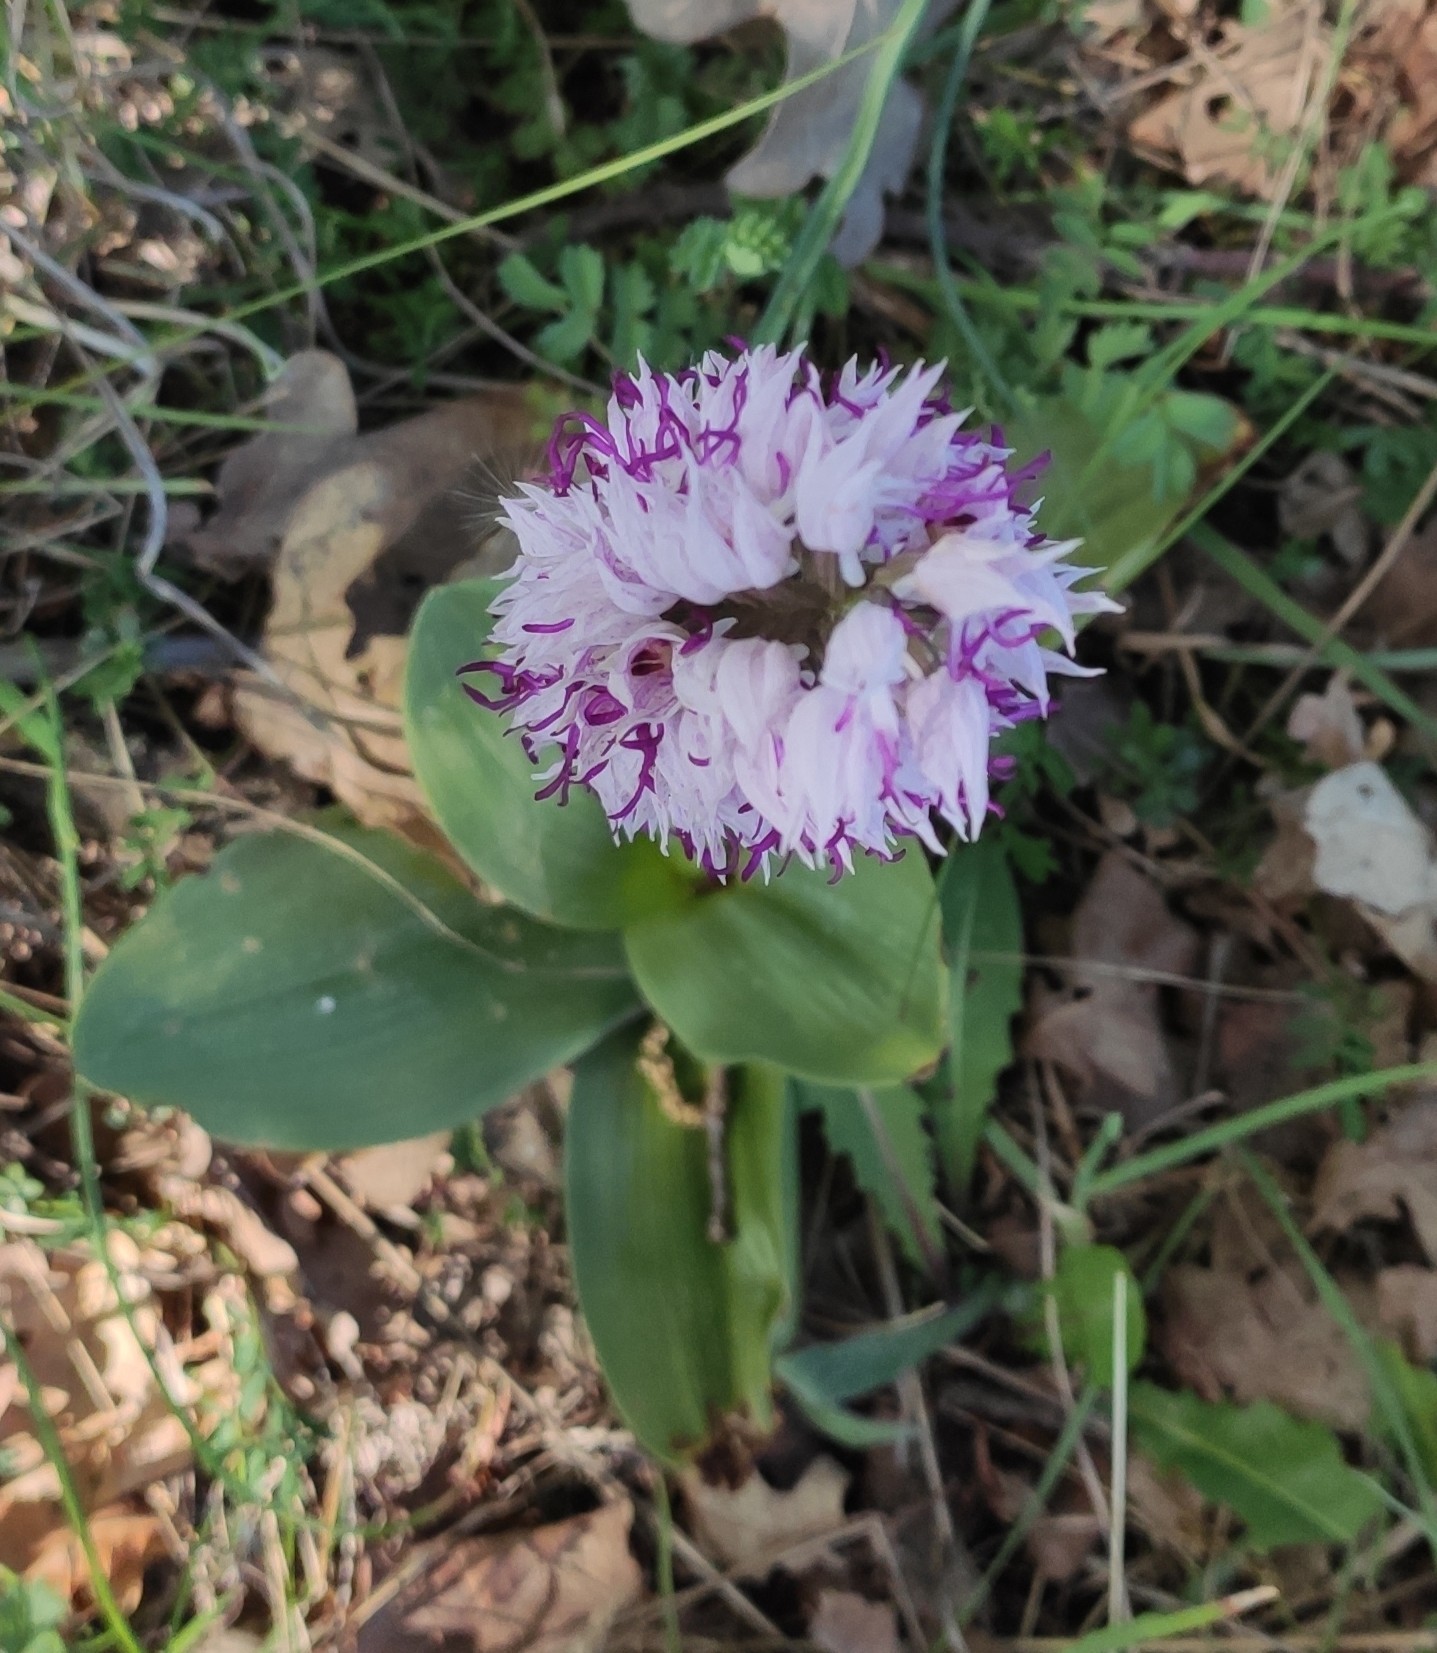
[764, 613]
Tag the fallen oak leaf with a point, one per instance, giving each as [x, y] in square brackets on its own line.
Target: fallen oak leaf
[1392, 1174]
[747, 1527]
[1240, 100]
[343, 728]
[125, 1542]
[555, 1589]
[1105, 1030]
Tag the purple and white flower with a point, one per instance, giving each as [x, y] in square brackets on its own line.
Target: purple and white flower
[764, 614]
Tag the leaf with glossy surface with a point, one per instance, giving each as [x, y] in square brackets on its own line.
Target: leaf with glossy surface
[557, 861]
[983, 934]
[1286, 1479]
[306, 995]
[837, 982]
[684, 1326]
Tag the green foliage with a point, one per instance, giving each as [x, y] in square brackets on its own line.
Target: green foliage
[299, 996]
[684, 1324]
[1124, 461]
[891, 1154]
[823, 1376]
[1156, 766]
[983, 939]
[754, 242]
[30, 1616]
[557, 863]
[1284, 1478]
[837, 982]
[1083, 1289]
[1396, 460]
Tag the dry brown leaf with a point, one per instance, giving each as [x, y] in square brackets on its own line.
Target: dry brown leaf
[555, 1589]
[1250, 1326]
[1392, 1174]
[261, 482]
[1227, 123]
[1403, 606]
[1407, 1309]
[807, 134]
[1166, 1508]
[844, 1622]
[392, 1177]
[357, 526]
[1322, 497]
[748, 1527]
[1374, 851]
[1328, 725]
[1397, 51]
[119, 1434]
[1105, 1030]
[125, 1540]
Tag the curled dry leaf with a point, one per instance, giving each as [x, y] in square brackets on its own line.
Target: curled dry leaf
[327, 506]
[1328, 726]
[119, 1434]
[1407, 1309]
[1321, 497]
[1391, 1175]
[126, 1540]
[1105, 1030]
[392, 1177]
[1397, 40]
[1372, 850]
[555, 1589]
[808, 133]
[1225, 123]
[844, 1622]
[748, 1528]
[1249, 1327]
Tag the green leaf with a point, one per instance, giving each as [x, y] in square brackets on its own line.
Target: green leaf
[838, 982]
[853, 1366]
[896, 1167]
[824, 1375]
[523, 283]
[581, 269]
[1284, 1478]
[684, 1327]
[558, 861]
[981, 916]
[1082, 1287]
[1119, 341]
[306, 996]
[1110, 507]
[1415, 1389]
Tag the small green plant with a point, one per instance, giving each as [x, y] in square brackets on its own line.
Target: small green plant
[31, 1615]
[1157, 766]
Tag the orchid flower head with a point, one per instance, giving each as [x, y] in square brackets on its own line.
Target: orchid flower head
[763, 613]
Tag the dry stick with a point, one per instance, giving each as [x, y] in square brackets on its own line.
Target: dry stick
[915, 1404]
[1396, 545]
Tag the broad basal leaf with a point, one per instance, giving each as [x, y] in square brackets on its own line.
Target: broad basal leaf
[309, 995]
[684, 1325]
[558, 861]
[1285, 1479]
[840, 982]
[983, 935]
